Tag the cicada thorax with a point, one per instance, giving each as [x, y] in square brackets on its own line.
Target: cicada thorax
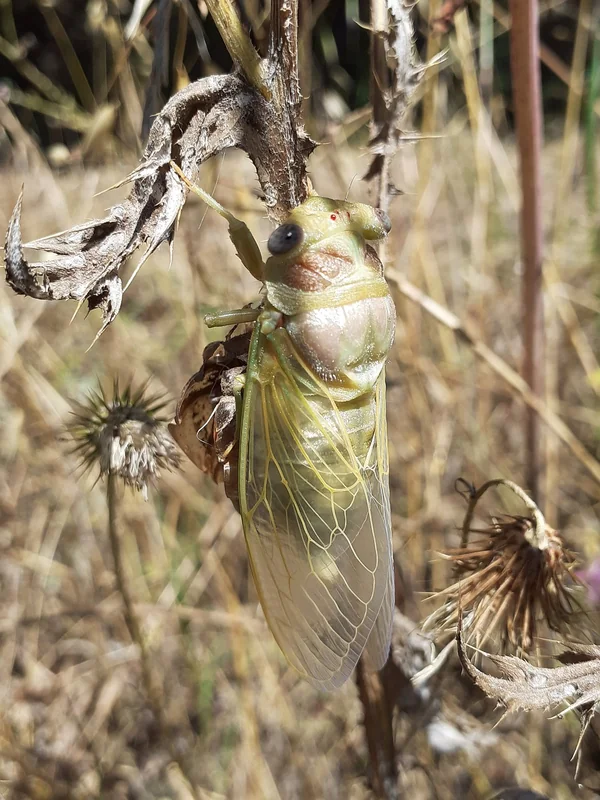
[330, 287]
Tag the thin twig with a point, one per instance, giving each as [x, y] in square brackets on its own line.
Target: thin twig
[500, 367]
[237, 41]
[539, 536]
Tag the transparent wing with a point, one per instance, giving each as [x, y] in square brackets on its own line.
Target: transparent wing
[378, 644]
[314, 498]
[377, 648]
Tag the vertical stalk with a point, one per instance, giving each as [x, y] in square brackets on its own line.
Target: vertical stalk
[591, 122]
[376, 693]
[149, 678]
[486, 51]
[525, 72]
[131, 618]
[560, 231]
[376, 689]
[379, 83]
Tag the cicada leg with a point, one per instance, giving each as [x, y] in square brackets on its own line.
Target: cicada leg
[268, 321]
[243, 241]
[222, 319]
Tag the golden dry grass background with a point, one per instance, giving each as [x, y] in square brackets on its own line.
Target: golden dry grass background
[74, 719]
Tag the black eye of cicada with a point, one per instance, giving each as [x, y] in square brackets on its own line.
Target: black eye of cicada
[285, 238]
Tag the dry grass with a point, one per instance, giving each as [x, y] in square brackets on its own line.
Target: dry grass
[75, 720]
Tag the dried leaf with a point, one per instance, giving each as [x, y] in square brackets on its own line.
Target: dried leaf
[524, 686]
[521, 686]
[200, 121]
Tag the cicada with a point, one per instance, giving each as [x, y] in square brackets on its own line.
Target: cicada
[311, 457]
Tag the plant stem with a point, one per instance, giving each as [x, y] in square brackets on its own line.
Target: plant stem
[379, 85]
[539, 538]
[149, 678]
[378, 707]
[591, 125]
[237, 41]
[526, 86]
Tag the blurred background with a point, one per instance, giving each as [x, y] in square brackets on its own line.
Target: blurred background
[79, 85]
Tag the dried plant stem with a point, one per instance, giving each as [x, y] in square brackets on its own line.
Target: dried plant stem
[526, 82]
[395, 72]
[150, 680]
[65, 46]
[41, 82]
[425, 262]
[500, 367]
[591, 125]
[131, 617]
[379, 85]
[237, 41]
[547, 56]
[377, 697]
[559, 237]
[539, 536]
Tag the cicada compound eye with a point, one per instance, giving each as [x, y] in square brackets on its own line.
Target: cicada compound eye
[285, 238]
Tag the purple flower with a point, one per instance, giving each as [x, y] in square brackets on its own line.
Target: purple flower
[591, 577]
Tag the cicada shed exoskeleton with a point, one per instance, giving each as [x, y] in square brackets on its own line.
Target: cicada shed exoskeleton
[297, 424]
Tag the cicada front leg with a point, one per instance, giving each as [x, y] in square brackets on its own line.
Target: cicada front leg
[239, 233]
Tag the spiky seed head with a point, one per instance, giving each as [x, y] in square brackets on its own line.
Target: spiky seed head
[507, 585]
[124, 434]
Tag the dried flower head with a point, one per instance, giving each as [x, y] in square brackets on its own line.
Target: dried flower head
[124, 435]
[515, 574]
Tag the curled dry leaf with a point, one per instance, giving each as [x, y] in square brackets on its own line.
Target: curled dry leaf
[522, 686]
[200, 121]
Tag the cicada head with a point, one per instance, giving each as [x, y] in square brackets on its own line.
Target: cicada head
[322, 242]
[319, 218]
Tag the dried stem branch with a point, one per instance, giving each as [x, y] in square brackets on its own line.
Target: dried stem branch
[150, 679]
[377, 697]
[539, 535]
[237, 41]
[395, 71]
[257, 108]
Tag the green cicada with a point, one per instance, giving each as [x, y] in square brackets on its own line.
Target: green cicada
[311, 435]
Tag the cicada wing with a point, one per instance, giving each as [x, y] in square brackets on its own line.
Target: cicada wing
[378, 644]
[314, 500]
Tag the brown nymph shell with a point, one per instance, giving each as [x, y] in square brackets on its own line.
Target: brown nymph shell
[205, 420]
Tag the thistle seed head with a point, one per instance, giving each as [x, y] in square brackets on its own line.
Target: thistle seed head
[509, 585]
[510, 577]
[124, 435]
